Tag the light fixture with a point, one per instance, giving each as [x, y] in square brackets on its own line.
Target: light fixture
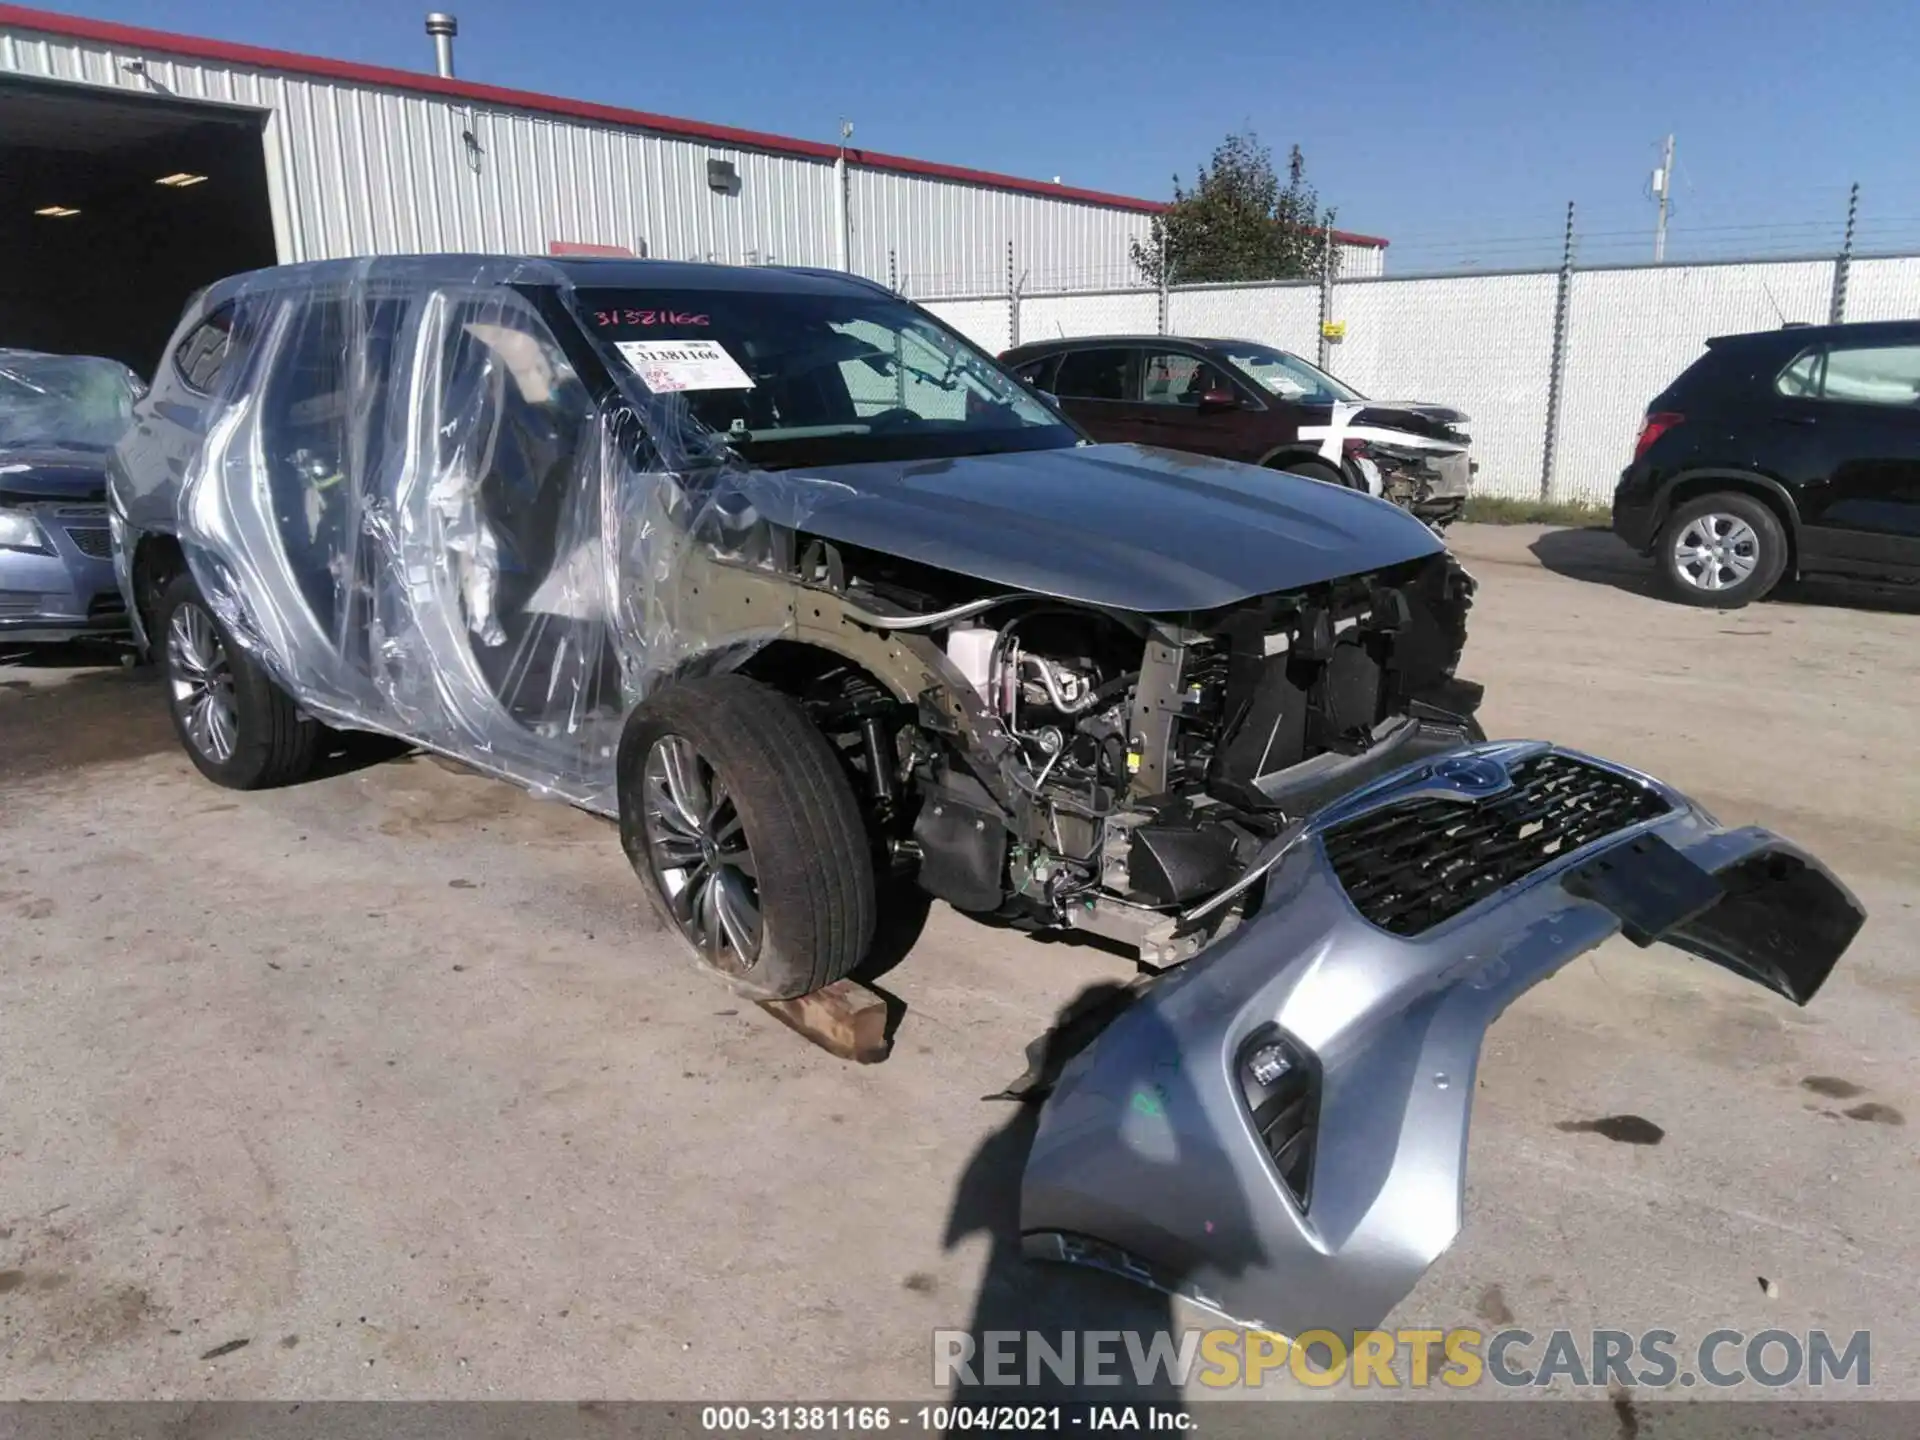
[58, 212]
[180, 180]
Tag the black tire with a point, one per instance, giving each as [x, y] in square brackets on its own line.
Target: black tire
[1719, 518]
[271, 742]
[798, 825]
[1317, 470]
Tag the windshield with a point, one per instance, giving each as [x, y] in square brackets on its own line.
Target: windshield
[795, 378]
[1287, 376]
[66, 401]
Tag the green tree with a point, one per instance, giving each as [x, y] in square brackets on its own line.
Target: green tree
[1238, 222]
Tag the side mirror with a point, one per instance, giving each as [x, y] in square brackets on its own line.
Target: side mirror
[1219, 400]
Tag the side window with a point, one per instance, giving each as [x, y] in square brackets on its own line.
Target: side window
[1859, 375]
[1170, 379]
[1039, 373]
[1094, 375]
[207, 349]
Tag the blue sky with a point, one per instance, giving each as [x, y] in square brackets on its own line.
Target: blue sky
[1458, 130]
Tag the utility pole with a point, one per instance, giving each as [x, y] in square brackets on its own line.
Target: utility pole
[1662, 189]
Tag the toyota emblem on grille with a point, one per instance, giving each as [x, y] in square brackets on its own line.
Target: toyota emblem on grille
[1474, 775]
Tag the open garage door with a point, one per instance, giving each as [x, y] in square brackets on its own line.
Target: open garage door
[114, 208]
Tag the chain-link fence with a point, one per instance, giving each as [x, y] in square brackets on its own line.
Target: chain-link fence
[1491, 344]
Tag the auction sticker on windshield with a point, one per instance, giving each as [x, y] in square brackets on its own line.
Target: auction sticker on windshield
[668, 365]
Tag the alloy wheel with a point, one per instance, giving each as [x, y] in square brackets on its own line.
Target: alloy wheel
[698, 850]
[201, 679]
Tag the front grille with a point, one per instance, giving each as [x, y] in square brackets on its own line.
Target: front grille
[1409, 866]
[89, 540]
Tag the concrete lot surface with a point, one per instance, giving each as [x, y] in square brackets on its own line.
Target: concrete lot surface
[387, 1077]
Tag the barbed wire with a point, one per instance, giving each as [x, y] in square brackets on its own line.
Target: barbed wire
[1611, 239]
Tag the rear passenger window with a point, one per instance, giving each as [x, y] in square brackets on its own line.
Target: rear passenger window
[1859, 375]
[1038, 373]
[205, 353]
[1093, 375]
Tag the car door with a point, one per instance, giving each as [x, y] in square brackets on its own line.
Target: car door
[1096, 386]
[1857, 406]
[1188, 402]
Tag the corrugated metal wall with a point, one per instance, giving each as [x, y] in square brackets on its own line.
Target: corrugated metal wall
[365, 170]
[947, 238]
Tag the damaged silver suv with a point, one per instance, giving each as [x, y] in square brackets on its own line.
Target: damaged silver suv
[817, 601]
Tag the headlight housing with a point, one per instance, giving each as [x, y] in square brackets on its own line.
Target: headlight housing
[20, 531]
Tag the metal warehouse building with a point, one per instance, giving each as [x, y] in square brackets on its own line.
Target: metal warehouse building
[136, 166]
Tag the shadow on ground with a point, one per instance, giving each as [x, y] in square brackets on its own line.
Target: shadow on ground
[1019, 1297]
[68, 707]
[1597, 556]
[1600, 557]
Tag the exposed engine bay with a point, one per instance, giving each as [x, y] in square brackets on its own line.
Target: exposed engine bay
[1432, 485]
[1123, 773]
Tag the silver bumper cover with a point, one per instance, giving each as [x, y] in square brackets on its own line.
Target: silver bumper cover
[1148, 1160]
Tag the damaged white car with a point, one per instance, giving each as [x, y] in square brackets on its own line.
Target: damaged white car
[816, 600]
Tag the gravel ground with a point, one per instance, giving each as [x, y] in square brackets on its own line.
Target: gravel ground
[384, 1086]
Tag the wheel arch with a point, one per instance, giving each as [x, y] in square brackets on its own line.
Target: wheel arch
[157, 559]
[1294, 453]
[1771, 493]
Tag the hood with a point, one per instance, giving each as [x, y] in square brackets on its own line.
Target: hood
[1420, 415]
[1125, 526]
[49, 474]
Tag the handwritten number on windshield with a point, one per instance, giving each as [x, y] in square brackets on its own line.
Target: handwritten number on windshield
[648, 317]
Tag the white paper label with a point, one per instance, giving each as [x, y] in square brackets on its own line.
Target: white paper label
[668, 365]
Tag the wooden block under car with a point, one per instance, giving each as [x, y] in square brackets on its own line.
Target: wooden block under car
[844, 1019]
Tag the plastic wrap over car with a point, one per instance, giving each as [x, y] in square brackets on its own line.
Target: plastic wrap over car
[417, 515]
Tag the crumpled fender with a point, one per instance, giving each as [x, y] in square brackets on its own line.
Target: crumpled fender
[1148, 1160]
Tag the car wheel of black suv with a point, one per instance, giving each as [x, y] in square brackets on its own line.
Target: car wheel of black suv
[1723, 550]
[743, 828]
[239, 728]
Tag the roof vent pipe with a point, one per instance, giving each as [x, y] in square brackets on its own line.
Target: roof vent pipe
[443, 28]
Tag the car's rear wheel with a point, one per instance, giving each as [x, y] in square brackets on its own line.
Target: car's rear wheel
[745, 832]
[238, 727]
[1722, 551]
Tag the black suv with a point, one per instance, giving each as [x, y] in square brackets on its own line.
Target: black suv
[1785, 453]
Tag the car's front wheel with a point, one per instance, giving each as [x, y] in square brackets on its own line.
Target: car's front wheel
[239, 728]
[744, 829]
[1723, 551]
[1318, 470]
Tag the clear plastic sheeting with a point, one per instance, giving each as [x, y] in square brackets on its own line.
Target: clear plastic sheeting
[413, 509]
[64, 402]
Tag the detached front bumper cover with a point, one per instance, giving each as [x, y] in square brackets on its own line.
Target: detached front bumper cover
[1277, 1131]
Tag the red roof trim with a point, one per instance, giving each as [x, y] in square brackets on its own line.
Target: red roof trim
[134, 37]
